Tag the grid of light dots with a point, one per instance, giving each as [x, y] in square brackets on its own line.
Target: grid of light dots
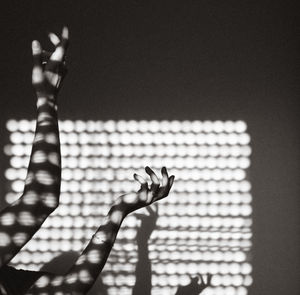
[204, 225]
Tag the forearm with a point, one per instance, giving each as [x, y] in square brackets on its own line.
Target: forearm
[24, 217]
[80, 278]
[143, 273]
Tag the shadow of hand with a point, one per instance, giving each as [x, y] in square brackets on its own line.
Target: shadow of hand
[194, 288]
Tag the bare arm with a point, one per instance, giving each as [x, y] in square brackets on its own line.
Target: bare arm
[89, 265]
[20, 220]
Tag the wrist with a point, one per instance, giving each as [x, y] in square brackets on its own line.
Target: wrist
[46, 100]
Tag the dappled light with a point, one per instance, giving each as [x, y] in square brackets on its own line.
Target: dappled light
[204, 226]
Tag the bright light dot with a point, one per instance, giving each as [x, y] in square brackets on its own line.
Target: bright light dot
[79, 126]
[91, 126]
[212, 191]
[67, 126]
[12, 125]
[16, 137]
[232, 138]
[229, 126]
[207, 126]
[218, 126]
[24, 125]
[244, 163]
[240, 126]
[17, 186]
[175, 126]
[28, 138]
[244, 138]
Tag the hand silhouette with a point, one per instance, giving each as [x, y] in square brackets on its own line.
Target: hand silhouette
[193, 288]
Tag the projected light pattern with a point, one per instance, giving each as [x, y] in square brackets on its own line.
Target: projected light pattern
[204, 226]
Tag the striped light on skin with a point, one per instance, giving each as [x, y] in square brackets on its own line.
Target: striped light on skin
[204, 226]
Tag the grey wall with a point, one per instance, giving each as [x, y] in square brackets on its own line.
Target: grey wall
[146, 59]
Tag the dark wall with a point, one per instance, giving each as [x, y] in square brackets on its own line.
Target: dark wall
[146, 59]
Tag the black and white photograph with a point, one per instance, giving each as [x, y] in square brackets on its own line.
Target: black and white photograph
[149, 147]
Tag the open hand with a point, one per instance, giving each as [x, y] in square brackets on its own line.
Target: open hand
[49, 68]
[148, 223]
[147, 195]
[193, 288]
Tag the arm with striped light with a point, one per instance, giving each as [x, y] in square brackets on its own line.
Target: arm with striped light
[80, 278]
[21, 219]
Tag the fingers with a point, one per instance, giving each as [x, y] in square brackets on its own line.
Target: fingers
[166, 180]
[54, 39]
[164, 190]
[61, 45]
[208, 281]
[165, 176]
[153, 209]
[194, 280]
[56, 63]
[156, 191]
[152, 175]
[201, 279]
[155, 181]
[141, 181]
[37, 72]
[171, 181]
[65, 34]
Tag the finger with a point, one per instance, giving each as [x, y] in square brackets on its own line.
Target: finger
[54, 39]
[152, 175]
[165, 176]
[65, 33]
[141, 181]
[171, 181]
[155, 181]
[201, 279]
[65, 37]
[37, 71]
[164, 190]
[208, 281]
[194, 280]
[153, 209]
[58, 54]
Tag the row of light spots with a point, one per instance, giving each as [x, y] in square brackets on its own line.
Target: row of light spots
[136, 126]
[123, 174]
[142, 138]
[204, 226]
[182, 150]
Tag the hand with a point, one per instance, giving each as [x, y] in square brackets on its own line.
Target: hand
[49, 68]
[146, 195]
[193, 288]
[148, 223]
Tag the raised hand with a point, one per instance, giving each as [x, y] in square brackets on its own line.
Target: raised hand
[148, 222]
[146, 195]
[92, 260]
[193, 288]
[42, 185]
[49, 67]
